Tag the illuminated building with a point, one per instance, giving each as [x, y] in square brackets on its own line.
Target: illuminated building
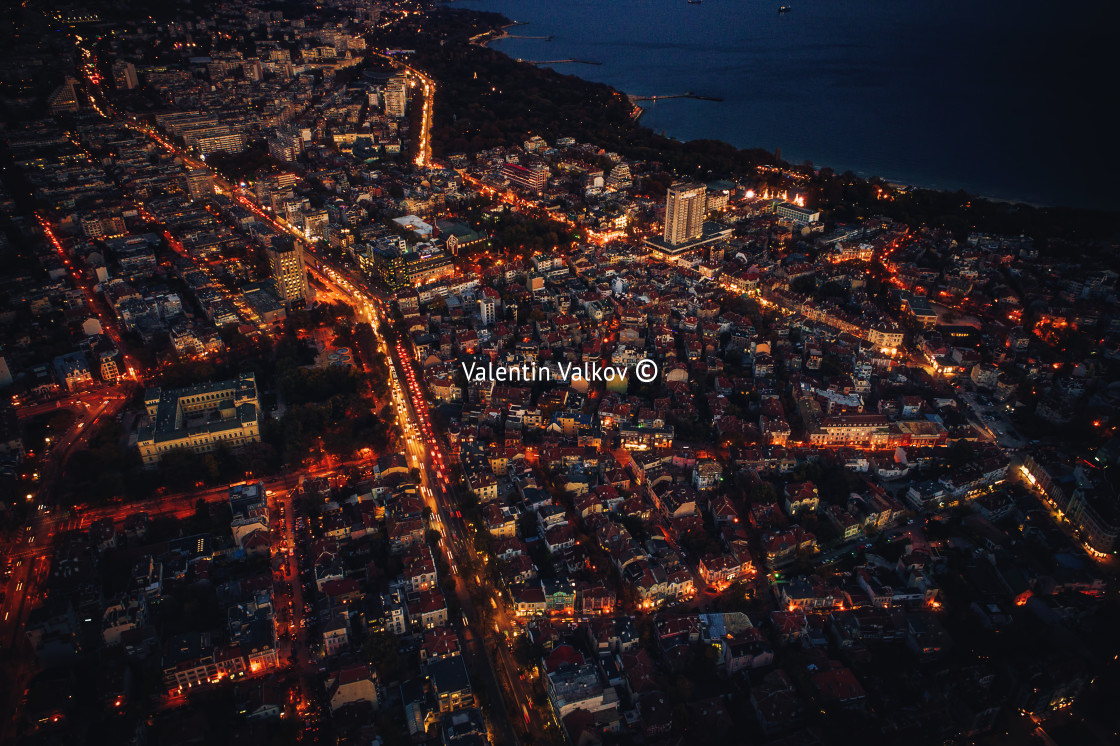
[200, 183]
[287, 145]
[73, 371]
[533, 178]
[488, 306]
[110, 370]
[426, 263]
[646, 438]
[451, 685]
[352, 684]
[202, 131]
[102, 223]
[852, 430]
[684, 213]
[200, 418]
[394, 97]
[460, 237]
[685, 229]
[224, 142]
[797, 214]
[383, 263]
[719, 195]
[1093, 508]
[285, 259]
[188, 661]
[620, 177]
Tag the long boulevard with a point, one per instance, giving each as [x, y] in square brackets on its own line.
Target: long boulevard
[420, 442]
[425, 454]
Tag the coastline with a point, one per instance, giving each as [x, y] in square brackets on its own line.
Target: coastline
[984, 184]
[502, 33]
[637, 110]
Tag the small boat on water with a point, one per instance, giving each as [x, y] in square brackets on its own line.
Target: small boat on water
[781, 8]
[694, 2]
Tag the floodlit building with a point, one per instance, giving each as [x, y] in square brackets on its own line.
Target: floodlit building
[685, 229]
[201, 418]
[394, 97]
[289, 277]
[684, 213]
[532, 178]
[797, 214]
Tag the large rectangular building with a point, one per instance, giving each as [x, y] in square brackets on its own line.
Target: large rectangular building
[869, 430]
[710, 233]
[226, 142]
[201, 418]
[533, 178]
[426, 263]
[797, 214]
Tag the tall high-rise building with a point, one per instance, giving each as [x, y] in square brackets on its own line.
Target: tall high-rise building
[200, 183]
[289, 277]
[684, 212]
[394, 96]
[124, 76]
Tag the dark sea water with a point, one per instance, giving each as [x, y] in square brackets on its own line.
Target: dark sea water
[1011, 100]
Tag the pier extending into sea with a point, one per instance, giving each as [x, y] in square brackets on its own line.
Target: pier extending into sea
[687, 94]
[559, 62]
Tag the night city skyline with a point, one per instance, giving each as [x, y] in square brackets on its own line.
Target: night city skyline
[380, 372]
